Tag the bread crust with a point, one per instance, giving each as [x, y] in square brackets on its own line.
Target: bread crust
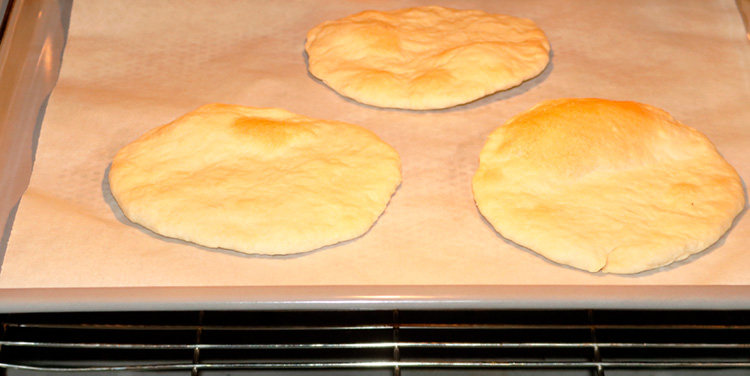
[617, 187]
[424, 58]
[255, 180]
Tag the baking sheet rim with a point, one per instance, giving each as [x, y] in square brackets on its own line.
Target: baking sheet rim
[374, 298]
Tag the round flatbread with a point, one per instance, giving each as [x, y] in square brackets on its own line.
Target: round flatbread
[425, 57]
[255, 180]
[617, 187]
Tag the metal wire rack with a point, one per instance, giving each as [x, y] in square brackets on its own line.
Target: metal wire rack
[575, 342]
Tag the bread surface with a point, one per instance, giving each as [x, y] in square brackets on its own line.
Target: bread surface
[427, 57]
[255, 180]
[617, 187]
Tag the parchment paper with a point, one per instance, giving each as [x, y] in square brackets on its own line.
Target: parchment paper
[130, 66]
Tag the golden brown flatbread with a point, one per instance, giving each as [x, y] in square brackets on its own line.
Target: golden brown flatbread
[255, 180]
[617, 187]
[425, 57]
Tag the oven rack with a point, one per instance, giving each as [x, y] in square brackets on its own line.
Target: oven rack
[390, 342]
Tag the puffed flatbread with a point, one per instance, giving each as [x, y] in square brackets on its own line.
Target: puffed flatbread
[427, 57]
[255, 180]
[617, 187]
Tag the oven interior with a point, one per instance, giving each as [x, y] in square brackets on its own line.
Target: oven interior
[378, 342]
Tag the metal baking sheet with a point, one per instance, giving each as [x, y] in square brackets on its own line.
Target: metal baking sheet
[31, 57]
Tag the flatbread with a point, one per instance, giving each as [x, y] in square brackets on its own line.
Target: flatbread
[255, 180]
[427, 57]
[617, 187]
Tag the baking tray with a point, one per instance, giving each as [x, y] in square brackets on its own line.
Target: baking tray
[31, 57]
